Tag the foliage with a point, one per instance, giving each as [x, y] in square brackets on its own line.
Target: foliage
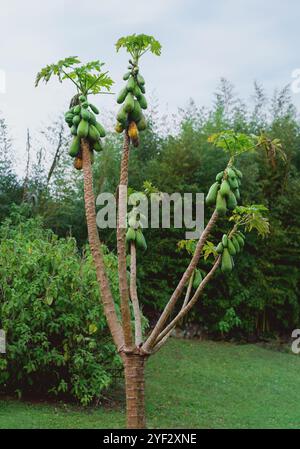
[88, 78]
[57, 338]
[251, 217]
[139, 44]
[232, 142]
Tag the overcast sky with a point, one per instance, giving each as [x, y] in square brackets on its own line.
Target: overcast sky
[202, 41]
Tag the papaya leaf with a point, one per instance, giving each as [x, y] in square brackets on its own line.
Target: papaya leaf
[187, 245]
[138, 44]
[209, 249]
[88, 78]
[252, 217]
[232, 142]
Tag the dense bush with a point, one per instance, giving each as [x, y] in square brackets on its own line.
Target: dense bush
[57, 340]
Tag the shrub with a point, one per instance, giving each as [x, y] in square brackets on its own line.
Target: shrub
[57, 339]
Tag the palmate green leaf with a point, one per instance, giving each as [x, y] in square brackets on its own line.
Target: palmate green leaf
[209, 249]
[88, 78]
[232, 142]
[187, 245]
[138, 44]
[56, 69]
[252, 217]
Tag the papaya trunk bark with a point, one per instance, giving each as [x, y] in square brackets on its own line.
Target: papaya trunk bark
[95, 245]
[121, 244]
[134, 367]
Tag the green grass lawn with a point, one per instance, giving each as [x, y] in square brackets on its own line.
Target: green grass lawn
[192, 384]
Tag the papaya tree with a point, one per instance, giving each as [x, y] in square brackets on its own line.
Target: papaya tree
[222, 199]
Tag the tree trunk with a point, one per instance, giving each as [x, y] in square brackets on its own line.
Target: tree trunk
[95, 245]
[134, 366]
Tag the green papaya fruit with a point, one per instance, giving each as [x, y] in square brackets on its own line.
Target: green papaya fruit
[230, 172]
[136, 114]
[225, 188]
[93, 133]
[69, 115]
[219, 176]
[211, 197]
[233, 182]
[122, 116]
[238, 172]
[74, 130]
[140, 79]
[69, 119]
[225, 241]
[97, 146]
[83, 128]
[143, 102]
[221, 206]
[76, 120]
[122, 95]
[237, 194]
[220, 248]
[85, 105]
[236, 243]
[140, 240]
[231, 248]
[137, 92]
[226, 262]
[240, 240]
[143, 89]
[129, 102]
[231, 201]
[133, 223]
[77, 109]
[82, 98]
[94, 108]
[75, 146]
[142, 124]
[119, 128]
[197, 278]
[130, 84]
[126, 76]
[100, 129]
[130, 235]
[85, 115]
[92, 118]
[241, 234]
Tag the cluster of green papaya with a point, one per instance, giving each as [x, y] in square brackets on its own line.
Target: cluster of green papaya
[134, 232]
[228, 248]
[83, 124]
[225, 192]
[133, 100]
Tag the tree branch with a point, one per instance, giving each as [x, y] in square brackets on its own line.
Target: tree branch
[57, 155]
[134, 296]
[121, 245]
[184, 310]
[177, 292]
[95, 245]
